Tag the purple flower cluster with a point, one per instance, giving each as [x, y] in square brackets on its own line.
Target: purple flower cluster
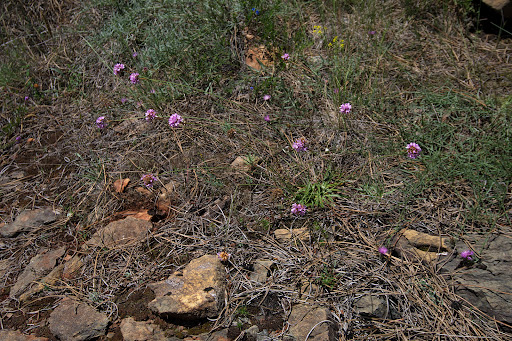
[118, 69]
[175, 120]
[148, 180]
[298, 209]
[467, 254]
[345, 108]
[266, 118]
[300, 145]
[285, 56]
[383, 250]
[150, 115]
[413, 150]
[266, 97]
[101, 122]
[134, 78]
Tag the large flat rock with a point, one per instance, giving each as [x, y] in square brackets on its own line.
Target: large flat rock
[123, 232]
[29, 220]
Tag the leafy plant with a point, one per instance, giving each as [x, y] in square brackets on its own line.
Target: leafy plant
[318, 194]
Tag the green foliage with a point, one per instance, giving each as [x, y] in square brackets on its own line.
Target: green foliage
[319, 194]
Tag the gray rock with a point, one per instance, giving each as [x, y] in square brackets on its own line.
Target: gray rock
[485, 284]
[14, 335]
[38, 267]
[141, 331]
[75, 321]
[121, 232]
[311, 322]
[261, 270]
[195, 294]
[29, 220]
[373, 306]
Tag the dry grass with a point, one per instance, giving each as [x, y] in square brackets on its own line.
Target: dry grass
[71, 165]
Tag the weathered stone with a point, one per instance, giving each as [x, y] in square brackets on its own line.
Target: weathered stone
[71, 267]
[121, 232]
[485, 284]
[75, 321]
[29, 220]
[196, 293]
[311, 323]
[409, 243]
[373, 306]
[14, 335]
[261, 270]
[141, 331]
[48, 280]
[38, 267]
[287, 234]
[245, 163]
[167, 198]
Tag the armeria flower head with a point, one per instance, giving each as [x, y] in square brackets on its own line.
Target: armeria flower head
[383, 250]
[26, 98]
[285, 56]
[223, 256]
[134, 78]
[467, 254]
[118, 69]
[300, 145]
[298, 209]
[266, 97]
[413, 150]
[267, 118]
[150, 115]
[124, 100]
[148, 180]
[345, 108]
[175, 120]
[134, 54]
[101, 122]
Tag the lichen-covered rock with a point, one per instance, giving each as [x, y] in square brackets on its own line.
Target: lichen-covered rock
[312, 323]
[196, 293]
[141, 331]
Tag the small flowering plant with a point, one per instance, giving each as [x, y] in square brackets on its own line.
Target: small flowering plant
[300, 145]
[134, 78]
[266, 118]
[317, 29]
[285, 56]
[413, 150]
[266, 97]
[345, 108]
[148, 180]
[223, 256]
[150, 115]
[101, 122]
[383, 250]
[337, 43]
[175, 120]
[298, 209]
[118, 69]
[467, 255]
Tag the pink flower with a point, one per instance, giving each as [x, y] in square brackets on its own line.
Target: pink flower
[148, 180]
[266, 97]
[300, 145]
[100, 122]
[345, 108]
[150, 115]
[285, 56]
[153, 91]
[124, 100]
[383, 250]
[467, 254]
[413, 150]
[175, 120]
[134, 78]
[134, 54]
[267, 118]
[298, 209]
[118, 69]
